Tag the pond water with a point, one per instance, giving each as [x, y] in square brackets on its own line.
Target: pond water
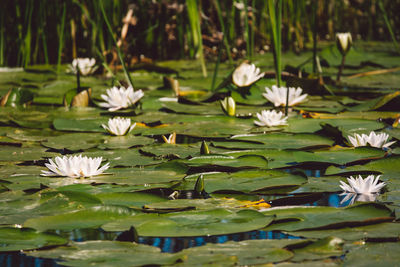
[247, 192]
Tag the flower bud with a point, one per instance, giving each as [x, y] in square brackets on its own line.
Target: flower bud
[229, 106]
[344, 42]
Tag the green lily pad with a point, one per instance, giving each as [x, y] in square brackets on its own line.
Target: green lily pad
[74, 141]
[378, 103]
[310, 217]
[249, 252]
[15, 239]
[245, 161]
[84, 125]
[85, 218]
[193, 223]
[12, 153]
[124, 142]
[324, 248]
[372, 254]
[129, 199]
[386, 166]
[378, 231]
[275, 141]
[107, 253]
[250, 181]
[124, 157]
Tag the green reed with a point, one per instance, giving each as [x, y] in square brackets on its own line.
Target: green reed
[29, 29]
[61, 37]
[388, 25]
[195, 32]
[222, 24]
[121, 58]
[275, 18]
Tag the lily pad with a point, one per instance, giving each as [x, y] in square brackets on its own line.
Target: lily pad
[274, 140]
[251, 181]
[74, 141]
[107, 253]
[249, 252]
[85, 218]
[194, 223]
[15, 239]
[309, 217]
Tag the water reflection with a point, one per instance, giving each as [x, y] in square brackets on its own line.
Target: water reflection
[350, 198]
[166, 244]
[21, 260]
[175, 244]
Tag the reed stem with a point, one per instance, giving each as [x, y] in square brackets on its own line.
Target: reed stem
[127, 75]
[61, 37]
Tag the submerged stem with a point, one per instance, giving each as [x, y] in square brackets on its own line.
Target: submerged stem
[341, 69]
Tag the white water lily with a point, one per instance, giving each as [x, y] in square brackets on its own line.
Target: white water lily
[271, 118]
[119, 126]
[246, 74]
[375, 140]
[359, 189]
[344, 42]
[75, 166]
[119, 98]
[277, 95]
[86, 66]
[359, 185]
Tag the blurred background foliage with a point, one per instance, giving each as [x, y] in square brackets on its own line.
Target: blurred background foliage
[55, 31]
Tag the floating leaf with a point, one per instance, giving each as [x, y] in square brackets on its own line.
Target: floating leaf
[309, 217]
[15, 239]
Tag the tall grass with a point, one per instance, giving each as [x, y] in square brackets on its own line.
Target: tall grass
[61, 37]
[195, 32]
[275, 15]
[388, 25]
[37, 32]
[121, 58]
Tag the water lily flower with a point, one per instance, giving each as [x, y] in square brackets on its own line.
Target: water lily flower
[86, 66]
[277, 95]
[271, 118]
[344, 42]
[119, 126]
[75, 166]
[119, 98]
[360, 189]
[359, 185]
[246, 74]
[171, 139]
[375, 140]
[229, 106]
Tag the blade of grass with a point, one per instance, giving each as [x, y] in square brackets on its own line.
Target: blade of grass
[315, 34]
[2, 38]
[28, 35]
[222, 24]
[127, 75]
[275, 12]
[388, 25]
[246, 29]
[216, 68]
[61, 37]
[252, 28]
[194, 21]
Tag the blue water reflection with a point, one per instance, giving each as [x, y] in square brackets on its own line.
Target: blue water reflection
[175, 244]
